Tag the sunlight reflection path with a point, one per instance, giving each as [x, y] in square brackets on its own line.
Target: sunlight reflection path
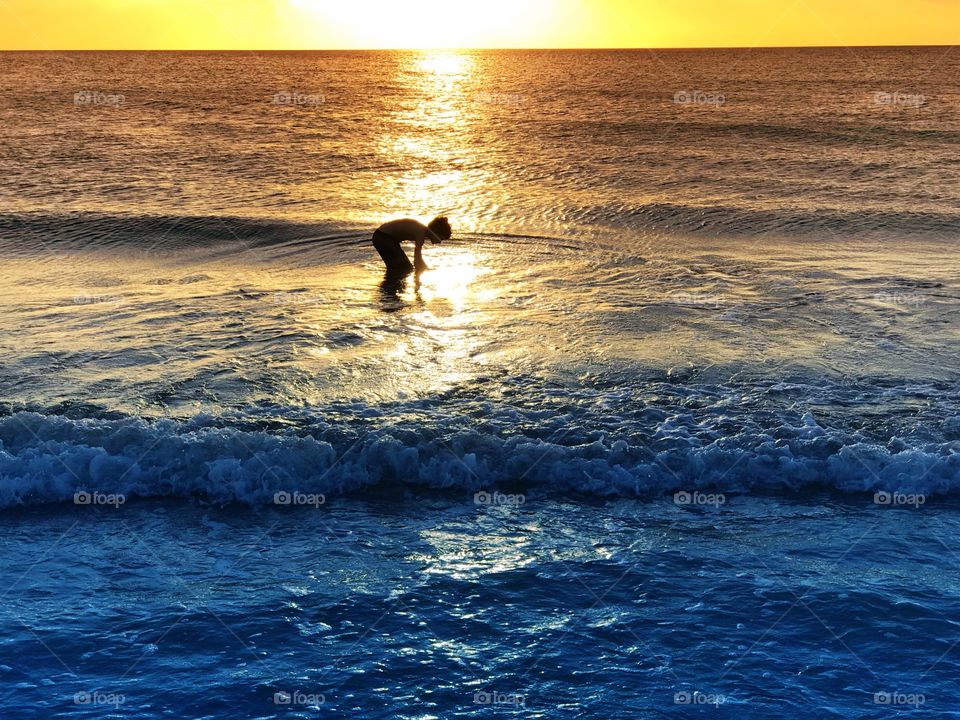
[432, 136]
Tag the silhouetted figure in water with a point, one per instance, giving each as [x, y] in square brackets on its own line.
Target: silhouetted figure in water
[388, 237]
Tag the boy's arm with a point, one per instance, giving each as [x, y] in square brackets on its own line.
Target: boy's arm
[418, 262]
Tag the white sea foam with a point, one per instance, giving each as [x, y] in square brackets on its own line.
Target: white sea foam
[47, 459]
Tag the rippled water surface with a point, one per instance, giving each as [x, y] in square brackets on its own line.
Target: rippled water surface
[546, 142]
[673, 419]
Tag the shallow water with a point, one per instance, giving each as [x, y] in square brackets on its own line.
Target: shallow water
[672, 420]
[603, 369]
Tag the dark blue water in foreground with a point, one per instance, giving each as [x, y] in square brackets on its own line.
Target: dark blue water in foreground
[420, 607]
[670, 429]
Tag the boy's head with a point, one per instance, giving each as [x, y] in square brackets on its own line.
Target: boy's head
[441, 228]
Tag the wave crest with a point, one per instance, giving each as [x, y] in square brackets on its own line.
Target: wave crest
[47, 459]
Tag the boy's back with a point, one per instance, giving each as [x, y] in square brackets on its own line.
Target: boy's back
[388, 237]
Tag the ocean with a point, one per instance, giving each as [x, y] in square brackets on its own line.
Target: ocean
[671, 426]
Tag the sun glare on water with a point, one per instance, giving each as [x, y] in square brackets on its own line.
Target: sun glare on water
[457, 272]
[445, 64]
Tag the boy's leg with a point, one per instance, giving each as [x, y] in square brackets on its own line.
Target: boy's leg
[392, 254]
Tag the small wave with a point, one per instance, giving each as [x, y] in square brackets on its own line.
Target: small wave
[751, 222]
[31, 233]
[47, 459]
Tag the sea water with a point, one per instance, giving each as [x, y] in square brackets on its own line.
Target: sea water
[671, 425]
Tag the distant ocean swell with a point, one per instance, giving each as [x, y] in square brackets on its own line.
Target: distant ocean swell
[26, 233]
[48, 459]
[752, 221]
[34, 232]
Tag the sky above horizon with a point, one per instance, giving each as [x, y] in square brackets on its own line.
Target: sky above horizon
[369, 24]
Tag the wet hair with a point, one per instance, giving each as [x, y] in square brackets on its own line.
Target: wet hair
[441, 228]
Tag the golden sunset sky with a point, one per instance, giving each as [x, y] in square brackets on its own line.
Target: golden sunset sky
[336, 24]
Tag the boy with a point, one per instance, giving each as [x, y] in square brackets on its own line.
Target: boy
[388, 237]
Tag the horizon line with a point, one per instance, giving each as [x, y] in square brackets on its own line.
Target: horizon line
[480, 49]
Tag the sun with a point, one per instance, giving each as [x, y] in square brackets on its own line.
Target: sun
[427, 24]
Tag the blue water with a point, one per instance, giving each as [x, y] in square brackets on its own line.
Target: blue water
[408, 606]
[671, 427]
